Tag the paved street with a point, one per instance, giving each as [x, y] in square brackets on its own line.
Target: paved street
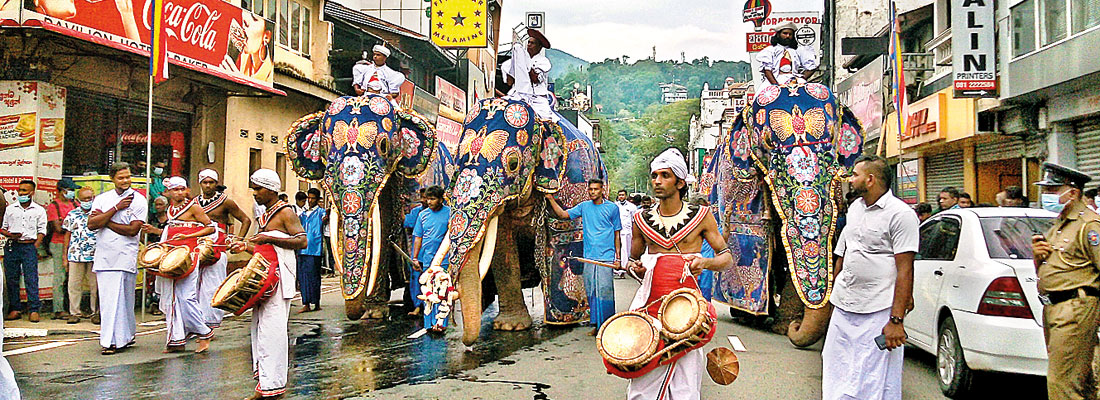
[337, 359]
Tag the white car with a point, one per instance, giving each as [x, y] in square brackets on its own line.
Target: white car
[976, 295]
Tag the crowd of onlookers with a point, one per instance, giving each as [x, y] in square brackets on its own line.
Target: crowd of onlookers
[1012, 196]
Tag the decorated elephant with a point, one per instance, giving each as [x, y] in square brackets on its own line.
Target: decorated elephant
[367, 155]
[775, 184]
[505, 159]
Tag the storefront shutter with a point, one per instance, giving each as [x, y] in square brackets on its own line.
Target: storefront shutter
[1005, 147]
[940, 171]
[1088, 146]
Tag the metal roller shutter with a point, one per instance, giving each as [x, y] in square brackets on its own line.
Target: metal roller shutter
[1004, 147]
[940, 171]
[1087, 143]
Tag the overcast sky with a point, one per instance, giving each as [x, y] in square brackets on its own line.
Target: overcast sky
[598, 29]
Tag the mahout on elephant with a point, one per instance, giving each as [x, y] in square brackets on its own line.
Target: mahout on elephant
[505, 159]
[368, 157]
[775, 186]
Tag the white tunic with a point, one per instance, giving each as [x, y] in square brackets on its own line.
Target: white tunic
[370, 77]
[270, 319]
[114, 252]
[680, 380]
[786, 63]
[536, 95]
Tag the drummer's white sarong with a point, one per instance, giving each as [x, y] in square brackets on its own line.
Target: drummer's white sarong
[8, 389]
[209, 282]
[852, 365]
[179, 301]
[680, 380]
[116, 307]
[270, 340]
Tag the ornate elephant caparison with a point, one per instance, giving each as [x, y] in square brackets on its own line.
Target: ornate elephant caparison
[775, 179]
[504, 160]
[363, 151]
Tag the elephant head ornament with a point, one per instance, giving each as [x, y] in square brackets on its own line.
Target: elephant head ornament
[779, 170]
[355, 149]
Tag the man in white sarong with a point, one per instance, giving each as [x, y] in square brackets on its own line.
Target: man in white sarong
[626, 235]
[280, 234]
[117, 216]
[785, 60]
[222, 210]
[528, 74]
[8, 389]
[375, 76]
[179, 298]
[873, 290]
[673, 233]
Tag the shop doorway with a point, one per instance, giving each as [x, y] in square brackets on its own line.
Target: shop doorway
[994, 176]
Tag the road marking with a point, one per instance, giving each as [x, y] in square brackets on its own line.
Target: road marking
[40, 347]
[24, 332]
[736, 343]
[417, 334]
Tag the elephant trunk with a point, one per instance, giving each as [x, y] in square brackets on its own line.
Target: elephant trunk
[811, 328]
[469, 282]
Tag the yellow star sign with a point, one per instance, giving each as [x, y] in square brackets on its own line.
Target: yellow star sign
[460, 23]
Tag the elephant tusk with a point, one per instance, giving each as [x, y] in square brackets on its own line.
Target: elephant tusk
[489, 244]
[441, 254]
[376, 246]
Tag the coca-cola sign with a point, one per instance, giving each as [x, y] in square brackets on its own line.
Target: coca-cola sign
[210, 36]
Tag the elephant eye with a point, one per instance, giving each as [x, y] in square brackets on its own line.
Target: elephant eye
[383, 145]
[511, 161]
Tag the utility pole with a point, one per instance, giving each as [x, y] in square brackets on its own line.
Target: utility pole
[828, 45]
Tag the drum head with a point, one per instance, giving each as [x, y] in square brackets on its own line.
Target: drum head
[628, 337]
[679, 313]
[152, 254]
[177, 261]
[227, 288]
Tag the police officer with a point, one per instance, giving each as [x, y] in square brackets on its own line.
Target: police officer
[1069, 283]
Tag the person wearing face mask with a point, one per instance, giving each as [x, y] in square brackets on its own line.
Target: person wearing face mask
[1066, 260]
[157, 187]
[56, 212]
[25, 226]
[79, 251]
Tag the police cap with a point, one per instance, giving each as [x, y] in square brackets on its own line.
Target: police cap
[1057, 175]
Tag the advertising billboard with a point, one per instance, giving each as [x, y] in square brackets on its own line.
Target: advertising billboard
[209, 36]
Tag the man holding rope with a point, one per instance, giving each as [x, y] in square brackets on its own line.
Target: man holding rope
[672, 232]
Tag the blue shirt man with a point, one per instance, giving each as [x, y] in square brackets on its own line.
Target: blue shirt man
[600, 225]
[309, 259]
[313, 223]
[429, 230]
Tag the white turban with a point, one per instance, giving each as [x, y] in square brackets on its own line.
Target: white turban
[672, 159]
[267, 178]
[789, 25]
[175, 182]
[381, 50]
[208, 173]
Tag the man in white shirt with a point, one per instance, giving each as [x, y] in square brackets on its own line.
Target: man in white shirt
[25, 226]
[785, 60]
[626, 216]
[528, 74]
[118, 216]
[375, 76]
[873, 290]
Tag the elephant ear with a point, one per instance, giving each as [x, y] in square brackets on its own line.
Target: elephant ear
[849, 140]
[418, 143]
[308, 146]
[550, 170]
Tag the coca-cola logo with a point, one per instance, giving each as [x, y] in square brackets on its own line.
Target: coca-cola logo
[189, 24]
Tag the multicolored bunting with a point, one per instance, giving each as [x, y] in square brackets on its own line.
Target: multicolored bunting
[897, 84]
[460, 23]
[158, 55]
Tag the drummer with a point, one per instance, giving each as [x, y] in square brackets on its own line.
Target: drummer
[179, 298]
[279, 227]
[672, 233]
[222, 210]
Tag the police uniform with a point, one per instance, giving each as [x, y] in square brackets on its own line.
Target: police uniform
[1069, 287]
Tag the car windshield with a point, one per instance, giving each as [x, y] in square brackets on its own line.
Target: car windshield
[1010, 237]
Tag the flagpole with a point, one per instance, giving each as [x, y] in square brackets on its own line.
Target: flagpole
[148, 178]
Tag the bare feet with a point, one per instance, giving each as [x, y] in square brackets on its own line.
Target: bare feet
[173, 349]
[258, 396]
[415, 311]
[203, 346]
[593, 332]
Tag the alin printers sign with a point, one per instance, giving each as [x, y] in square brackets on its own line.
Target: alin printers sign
[972, 42]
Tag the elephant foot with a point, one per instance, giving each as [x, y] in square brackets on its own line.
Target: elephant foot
[375, 311]
[519, 321]
[354, 309]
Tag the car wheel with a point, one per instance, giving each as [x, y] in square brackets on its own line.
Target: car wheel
[956, 379]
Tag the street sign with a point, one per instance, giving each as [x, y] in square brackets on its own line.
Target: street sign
[536, 21]
[973, 61]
